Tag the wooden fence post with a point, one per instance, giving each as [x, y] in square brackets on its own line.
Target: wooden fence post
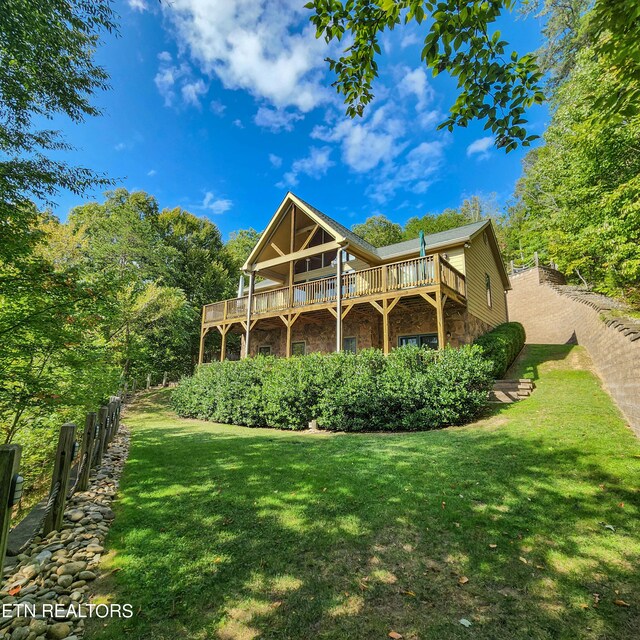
[102, 432]
[164, 379]
[60, 479]
[88, 440]
[148, 381]
[9, 465]
[133, 388]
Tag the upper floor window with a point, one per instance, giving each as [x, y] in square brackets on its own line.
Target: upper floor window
[487, 282]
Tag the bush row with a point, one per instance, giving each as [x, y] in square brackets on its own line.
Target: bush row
[502, 345]
[411, 389]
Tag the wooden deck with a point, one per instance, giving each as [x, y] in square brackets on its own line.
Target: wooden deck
[426, 275]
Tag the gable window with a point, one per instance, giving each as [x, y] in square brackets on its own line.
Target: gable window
[298, 348]
[350, 345]
[487, 283]
[429, 340]
[265, 350]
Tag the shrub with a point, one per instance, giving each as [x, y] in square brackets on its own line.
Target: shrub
[411, 389]
[502, 345]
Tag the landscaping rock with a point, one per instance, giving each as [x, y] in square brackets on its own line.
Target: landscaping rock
[59, 630]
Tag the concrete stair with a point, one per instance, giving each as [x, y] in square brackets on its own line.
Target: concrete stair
[507, 391]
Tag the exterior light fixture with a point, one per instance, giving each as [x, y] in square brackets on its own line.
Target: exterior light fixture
[17, 486]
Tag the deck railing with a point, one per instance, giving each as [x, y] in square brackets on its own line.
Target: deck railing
[399, 276]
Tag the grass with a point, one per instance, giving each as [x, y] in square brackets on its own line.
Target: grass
[514, 523]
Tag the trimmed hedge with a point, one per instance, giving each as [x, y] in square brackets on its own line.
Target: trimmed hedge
[502, 345]
[411, 389]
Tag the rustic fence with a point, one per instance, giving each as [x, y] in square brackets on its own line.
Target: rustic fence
[71, 471]
[519, 266]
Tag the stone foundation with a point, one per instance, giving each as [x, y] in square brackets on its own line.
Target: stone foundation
[363, 322]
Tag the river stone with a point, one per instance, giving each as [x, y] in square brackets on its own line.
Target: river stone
[58, 631]
[39, 627]
[21, 633]
[87, 575]
[65, 581]
[71, 568]
[94, 548]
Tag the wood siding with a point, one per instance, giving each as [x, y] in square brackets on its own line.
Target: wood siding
[479, 261]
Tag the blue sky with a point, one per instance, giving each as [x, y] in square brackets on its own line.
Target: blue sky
[221, 106]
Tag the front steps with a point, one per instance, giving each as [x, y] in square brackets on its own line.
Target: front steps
[507, 391]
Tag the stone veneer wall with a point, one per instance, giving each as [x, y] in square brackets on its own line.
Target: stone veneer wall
[365, 324]
[554, 313]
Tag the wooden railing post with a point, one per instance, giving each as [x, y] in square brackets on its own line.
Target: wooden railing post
[60, 479]
[436, 268]
[86, 453]
[385, 279]
[102, 423]
[9, 465]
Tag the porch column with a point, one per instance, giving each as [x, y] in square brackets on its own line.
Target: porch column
[339, 301]
[440, 318]
[385, 327]
[203, 333]
[223, 342]
[247, 338]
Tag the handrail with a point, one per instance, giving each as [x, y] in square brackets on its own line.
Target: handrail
[386, 278]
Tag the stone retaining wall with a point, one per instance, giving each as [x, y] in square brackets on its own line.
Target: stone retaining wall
[555, 313]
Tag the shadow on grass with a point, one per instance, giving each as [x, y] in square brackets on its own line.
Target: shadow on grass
[241, 533]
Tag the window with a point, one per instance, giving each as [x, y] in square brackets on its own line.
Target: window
[264, 351]
[298, 348]
[349, 344]
[423, 340]
[487, 283]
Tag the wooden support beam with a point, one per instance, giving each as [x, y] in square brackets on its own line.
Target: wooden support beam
[223, 346]
[203, 333]
[284, 320]
[385, 327]
[339, 300]
[247, 339]
[392, 304]
[298, 255]
[305, 244]
[440, 318]
[347, 309]
[277, 249]
[429, 299]
[377, 306]
[332, 311]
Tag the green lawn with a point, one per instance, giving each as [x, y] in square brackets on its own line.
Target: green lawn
[513, 523]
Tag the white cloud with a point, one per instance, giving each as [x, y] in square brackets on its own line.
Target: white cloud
[264, 47]
[172, 78]
[276, 119]
[275, 160]
[216, 205]
[414, 82]
[191, 92]
[315, 165]
[408, 40]
[217, 107]
[151, 173]
[480, 147]
[415, 172]
[138, 5]
[238, 123]
[121, 146]
[366, 143]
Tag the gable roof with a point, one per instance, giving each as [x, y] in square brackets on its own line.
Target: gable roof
[346, 233]
[433, 240]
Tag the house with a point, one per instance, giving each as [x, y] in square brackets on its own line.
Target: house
[446, 288]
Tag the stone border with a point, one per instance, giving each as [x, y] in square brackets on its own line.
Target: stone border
[58, 569]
